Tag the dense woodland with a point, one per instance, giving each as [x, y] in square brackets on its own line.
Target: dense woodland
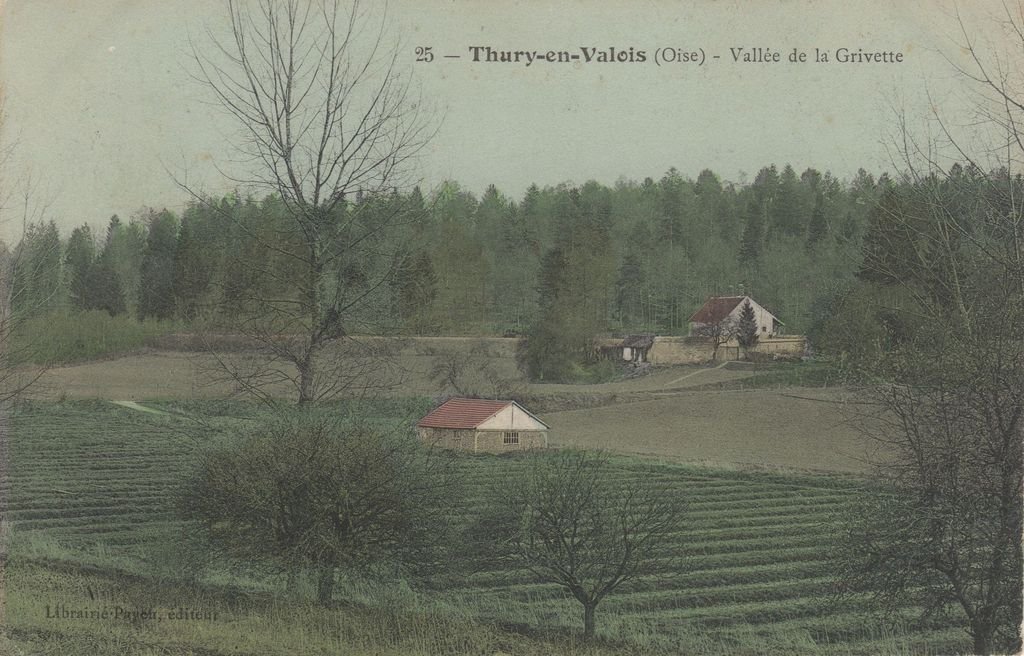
[589, 259]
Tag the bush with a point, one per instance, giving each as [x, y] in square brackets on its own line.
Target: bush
[66, 337]
[312, 491]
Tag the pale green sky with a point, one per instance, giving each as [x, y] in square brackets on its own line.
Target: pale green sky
[100, 103]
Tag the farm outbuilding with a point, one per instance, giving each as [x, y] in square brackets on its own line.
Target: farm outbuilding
[482, 425]
[726, 309]
[636, 347]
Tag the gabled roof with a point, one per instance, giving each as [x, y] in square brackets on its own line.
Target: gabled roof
[462, 413]
[716, 308]
[467, 413]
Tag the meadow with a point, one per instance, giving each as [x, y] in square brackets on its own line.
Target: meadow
[91, 505]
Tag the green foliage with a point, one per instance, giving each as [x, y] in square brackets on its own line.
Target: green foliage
[93, 282]
[414, 288]
[746, 329]
[310, 490]
[78, 261]
[634, 257]
[65, 337]
[939, 317]
[37, 287]
[753, 231]
[758, 569]
[156, 278]
[546, 353]
[123, 251]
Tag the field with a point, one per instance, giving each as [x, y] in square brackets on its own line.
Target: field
[90, 501]
[179, 374]
[792, 428]
[714, 415]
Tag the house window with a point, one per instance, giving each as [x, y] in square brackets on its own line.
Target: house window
[510, 437]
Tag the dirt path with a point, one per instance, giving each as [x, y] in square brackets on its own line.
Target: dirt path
[141, 408]
[694, 373]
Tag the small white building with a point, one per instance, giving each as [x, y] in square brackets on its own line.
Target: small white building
[726, 310]
[482, 425]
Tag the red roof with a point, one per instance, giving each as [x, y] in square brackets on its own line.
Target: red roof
[462, 413]
[716, 308]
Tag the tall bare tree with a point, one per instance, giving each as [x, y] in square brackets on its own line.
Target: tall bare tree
[20, 201]
[943, 527]
[330, 123]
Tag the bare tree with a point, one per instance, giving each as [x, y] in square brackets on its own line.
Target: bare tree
[23, 202]
[571, 520]
[471, 369]
[717, 333]
[19, 351]
[942, 526]
[329, 123]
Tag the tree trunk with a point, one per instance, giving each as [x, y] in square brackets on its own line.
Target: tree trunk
[588, 621]
[982, 639]
[306, 377]
[291, 584]
[325, 585]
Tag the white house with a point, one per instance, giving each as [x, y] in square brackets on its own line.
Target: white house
[725, 310]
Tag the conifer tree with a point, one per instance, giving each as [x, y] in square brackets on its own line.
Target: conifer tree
[156, 293]
[753, 231]
[78, 262]
[746, 331]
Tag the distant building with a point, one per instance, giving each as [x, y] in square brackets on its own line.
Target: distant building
[722, 310]
[482, 425]
[635, 348]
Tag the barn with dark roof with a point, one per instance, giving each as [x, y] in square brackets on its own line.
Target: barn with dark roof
[483, 425]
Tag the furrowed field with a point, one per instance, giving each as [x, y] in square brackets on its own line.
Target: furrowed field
[93, 524]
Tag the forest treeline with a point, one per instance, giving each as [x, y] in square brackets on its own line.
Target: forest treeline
[594, 259]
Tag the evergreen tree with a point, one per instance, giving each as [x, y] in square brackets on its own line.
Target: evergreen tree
[193, 264]
[156, 289]
[37, 275]
[414, 288]
[629, 287]
[105, 288]
[753, 230]
[785, 216]
[79, 259]
[746, 330]
[123, 250]
[818, 228]
[672, 208]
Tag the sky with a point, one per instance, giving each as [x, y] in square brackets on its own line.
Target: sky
[104, 115]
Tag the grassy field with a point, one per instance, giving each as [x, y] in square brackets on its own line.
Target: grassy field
[684, 412]
[170, 374]
[90, 501]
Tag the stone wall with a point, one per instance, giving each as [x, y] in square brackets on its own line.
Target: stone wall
[494, 441]
[490, 441]
[448, 438]
[699, 350]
